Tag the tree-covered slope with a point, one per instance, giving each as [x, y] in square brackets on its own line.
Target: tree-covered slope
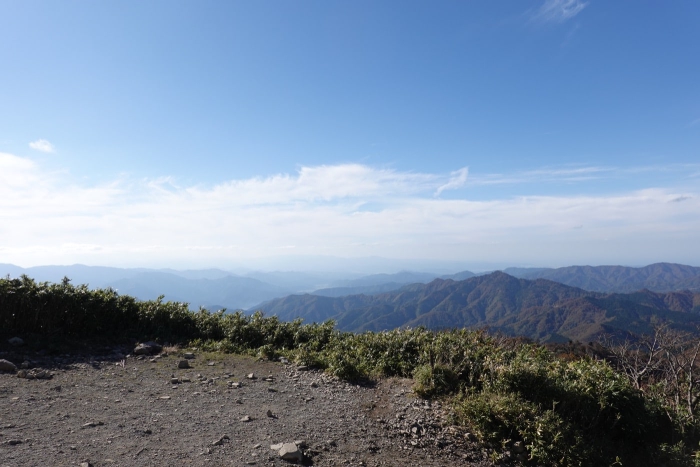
[540, 309]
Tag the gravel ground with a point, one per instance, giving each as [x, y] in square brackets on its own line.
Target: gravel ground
[121, 410]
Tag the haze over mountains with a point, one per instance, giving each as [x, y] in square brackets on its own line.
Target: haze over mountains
[576, 302]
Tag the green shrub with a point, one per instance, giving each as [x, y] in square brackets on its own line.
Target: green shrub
[435, 380]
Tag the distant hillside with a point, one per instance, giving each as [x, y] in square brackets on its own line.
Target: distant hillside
[211, 288]
[540, 309]
[359, 290]
[381, 283]
[403, 277]
[659, 277]
[231, 291]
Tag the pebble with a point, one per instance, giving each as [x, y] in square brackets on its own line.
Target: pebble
[92, 424]
[220, 441]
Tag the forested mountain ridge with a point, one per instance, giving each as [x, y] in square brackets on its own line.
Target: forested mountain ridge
[540, 309]
[659, 277]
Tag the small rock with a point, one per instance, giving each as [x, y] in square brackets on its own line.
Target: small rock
[148, 348]
[290, 452]
[269, 413]
[16, 341]
[174, 381]
[6, 365]
[92, 424]
[183, 364]
[303, 368]
[220, 441]
[14, 442]
[518, 447]
[251, 376]
[85, 464]
[188, 355]
[246, 418]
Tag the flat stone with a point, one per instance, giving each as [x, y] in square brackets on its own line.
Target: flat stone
[188, 355]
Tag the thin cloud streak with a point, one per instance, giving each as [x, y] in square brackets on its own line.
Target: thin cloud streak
[318, 211]
[559, 11]
[457, 179]
[543, 175]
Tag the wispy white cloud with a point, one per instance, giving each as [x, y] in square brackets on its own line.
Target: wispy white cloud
[544, 175]
[43, 146]
[49, 218]
[558, 11]
[457, 179]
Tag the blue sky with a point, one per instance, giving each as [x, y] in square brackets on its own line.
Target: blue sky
[214, 133]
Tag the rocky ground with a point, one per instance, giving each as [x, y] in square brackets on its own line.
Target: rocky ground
[118, 409]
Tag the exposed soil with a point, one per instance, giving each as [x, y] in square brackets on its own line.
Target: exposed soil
[114, 410]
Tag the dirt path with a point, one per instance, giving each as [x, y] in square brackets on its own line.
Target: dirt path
[149, 412]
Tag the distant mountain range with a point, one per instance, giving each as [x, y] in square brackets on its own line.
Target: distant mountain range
[210, 288]
[540, 309]
[659, 277]
[216, 289]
